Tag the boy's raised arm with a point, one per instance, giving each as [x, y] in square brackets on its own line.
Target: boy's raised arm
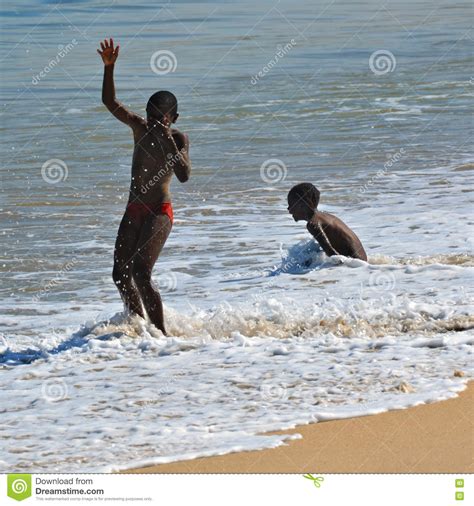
[109, 55]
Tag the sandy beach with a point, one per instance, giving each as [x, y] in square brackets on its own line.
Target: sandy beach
[431, 438]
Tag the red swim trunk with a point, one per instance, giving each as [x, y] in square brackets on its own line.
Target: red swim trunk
[139, 211]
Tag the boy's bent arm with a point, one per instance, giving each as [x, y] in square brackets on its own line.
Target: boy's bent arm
[113, 105]
[182, 165]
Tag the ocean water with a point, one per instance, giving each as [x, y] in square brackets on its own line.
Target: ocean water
[266, 332]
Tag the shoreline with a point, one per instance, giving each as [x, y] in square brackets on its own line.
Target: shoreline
[429, 438]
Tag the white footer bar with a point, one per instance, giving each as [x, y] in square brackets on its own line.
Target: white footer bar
[238, 489]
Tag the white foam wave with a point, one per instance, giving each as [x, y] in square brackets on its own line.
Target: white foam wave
[142, 398]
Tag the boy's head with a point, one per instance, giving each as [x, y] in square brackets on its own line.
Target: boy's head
[303, 199]
[162, 106]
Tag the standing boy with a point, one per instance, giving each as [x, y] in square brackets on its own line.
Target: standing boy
[159, 152]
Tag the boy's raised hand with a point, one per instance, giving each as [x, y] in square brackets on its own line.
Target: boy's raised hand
[108, 54]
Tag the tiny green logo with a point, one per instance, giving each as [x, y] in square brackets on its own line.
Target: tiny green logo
[19, 486]
[459, 483]
[315, 479]
[459, 496]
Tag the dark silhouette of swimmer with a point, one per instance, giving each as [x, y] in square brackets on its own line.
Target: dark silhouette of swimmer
[159, 152]
[332, 234]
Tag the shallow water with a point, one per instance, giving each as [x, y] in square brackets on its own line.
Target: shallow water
[267, 332]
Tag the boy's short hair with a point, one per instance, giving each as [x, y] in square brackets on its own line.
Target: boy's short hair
[306, 192]
[161, 103]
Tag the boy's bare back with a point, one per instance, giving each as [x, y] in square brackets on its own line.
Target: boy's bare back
[334, 236]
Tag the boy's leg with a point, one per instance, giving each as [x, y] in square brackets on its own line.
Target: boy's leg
[124, 256]
[153, 235]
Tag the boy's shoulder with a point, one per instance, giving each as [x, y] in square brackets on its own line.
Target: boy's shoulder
[139, 124]
[328, 222]
[178, 134]
[180, 138]
[323, 218]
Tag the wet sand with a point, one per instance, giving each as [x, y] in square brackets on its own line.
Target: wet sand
[431, 438]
